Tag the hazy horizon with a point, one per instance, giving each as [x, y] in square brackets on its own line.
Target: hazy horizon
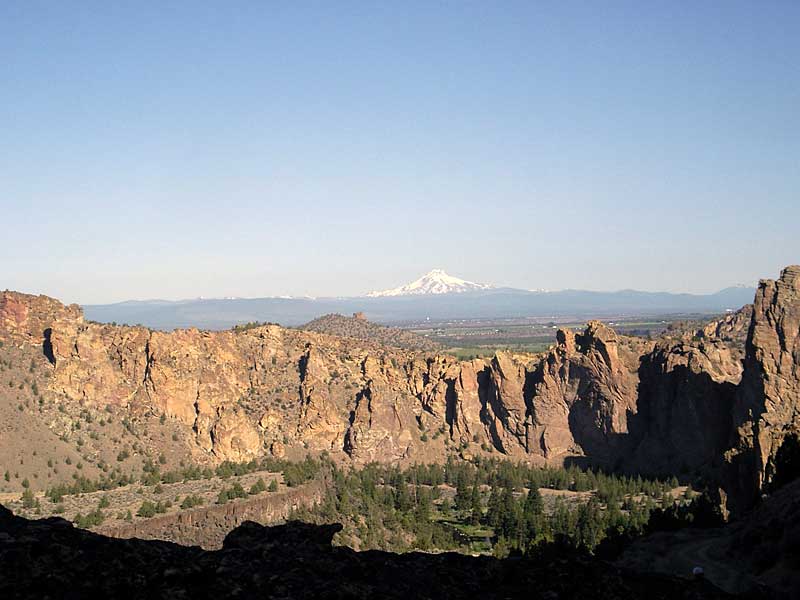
[262, 150]
[364, 293]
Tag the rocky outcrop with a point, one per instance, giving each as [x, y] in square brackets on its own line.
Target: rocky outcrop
[583, 395]
[768, 400]
[28, 319]
[506, 409]
[732, 328]
[686, 395]
[383, 420]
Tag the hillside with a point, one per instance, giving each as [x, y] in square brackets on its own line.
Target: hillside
[359, 328]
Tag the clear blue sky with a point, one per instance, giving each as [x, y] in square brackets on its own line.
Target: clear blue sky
[182, 149]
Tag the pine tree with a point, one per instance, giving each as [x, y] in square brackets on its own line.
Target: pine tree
[493, 513]
[533, 513]
[590, 525]
[476, 510]
[463, 497]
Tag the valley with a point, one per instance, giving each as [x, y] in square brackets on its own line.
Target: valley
[482, 338]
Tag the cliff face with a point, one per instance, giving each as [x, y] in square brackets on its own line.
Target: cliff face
[767, 407]
[27, 319]
[670, 406]
[584, 394]
[269, 388]
[686, 394]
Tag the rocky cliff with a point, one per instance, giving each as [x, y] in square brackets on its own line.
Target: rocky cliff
[767, 408]
[685, 404]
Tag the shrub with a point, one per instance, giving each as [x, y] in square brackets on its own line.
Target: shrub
[28, 501]
[233, 492]
[258, 487]
[191, 501]
[148, 509]
[92, 519]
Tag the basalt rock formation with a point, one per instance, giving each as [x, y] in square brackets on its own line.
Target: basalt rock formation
[686, 393]
[584, 393]
[695, 404]
[767, 408]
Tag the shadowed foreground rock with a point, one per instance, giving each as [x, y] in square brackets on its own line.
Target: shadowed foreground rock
[49, 558]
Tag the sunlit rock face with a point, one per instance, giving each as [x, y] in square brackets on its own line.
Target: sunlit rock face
[697, 403]
[768, 400]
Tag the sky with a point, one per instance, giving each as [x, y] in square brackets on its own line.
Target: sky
[183, 149]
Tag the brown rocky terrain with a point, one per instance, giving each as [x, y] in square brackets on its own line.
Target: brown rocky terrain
[45, 439]
[684, 404]
[50, 558]
[359, 328]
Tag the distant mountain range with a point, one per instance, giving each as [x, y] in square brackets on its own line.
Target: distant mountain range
[436, 295]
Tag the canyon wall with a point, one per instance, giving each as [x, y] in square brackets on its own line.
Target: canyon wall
[693, 403]
[767, 407]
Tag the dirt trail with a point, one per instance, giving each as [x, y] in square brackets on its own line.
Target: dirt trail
[680, 552]
[719, 570]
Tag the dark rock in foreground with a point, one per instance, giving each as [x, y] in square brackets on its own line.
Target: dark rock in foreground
[49, 558]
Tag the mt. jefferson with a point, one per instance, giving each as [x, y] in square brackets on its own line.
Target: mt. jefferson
[433, 282]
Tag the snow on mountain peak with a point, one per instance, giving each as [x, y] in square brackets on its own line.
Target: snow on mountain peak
[433, 282]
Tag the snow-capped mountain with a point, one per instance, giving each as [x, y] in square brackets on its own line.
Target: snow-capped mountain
[433, 282]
